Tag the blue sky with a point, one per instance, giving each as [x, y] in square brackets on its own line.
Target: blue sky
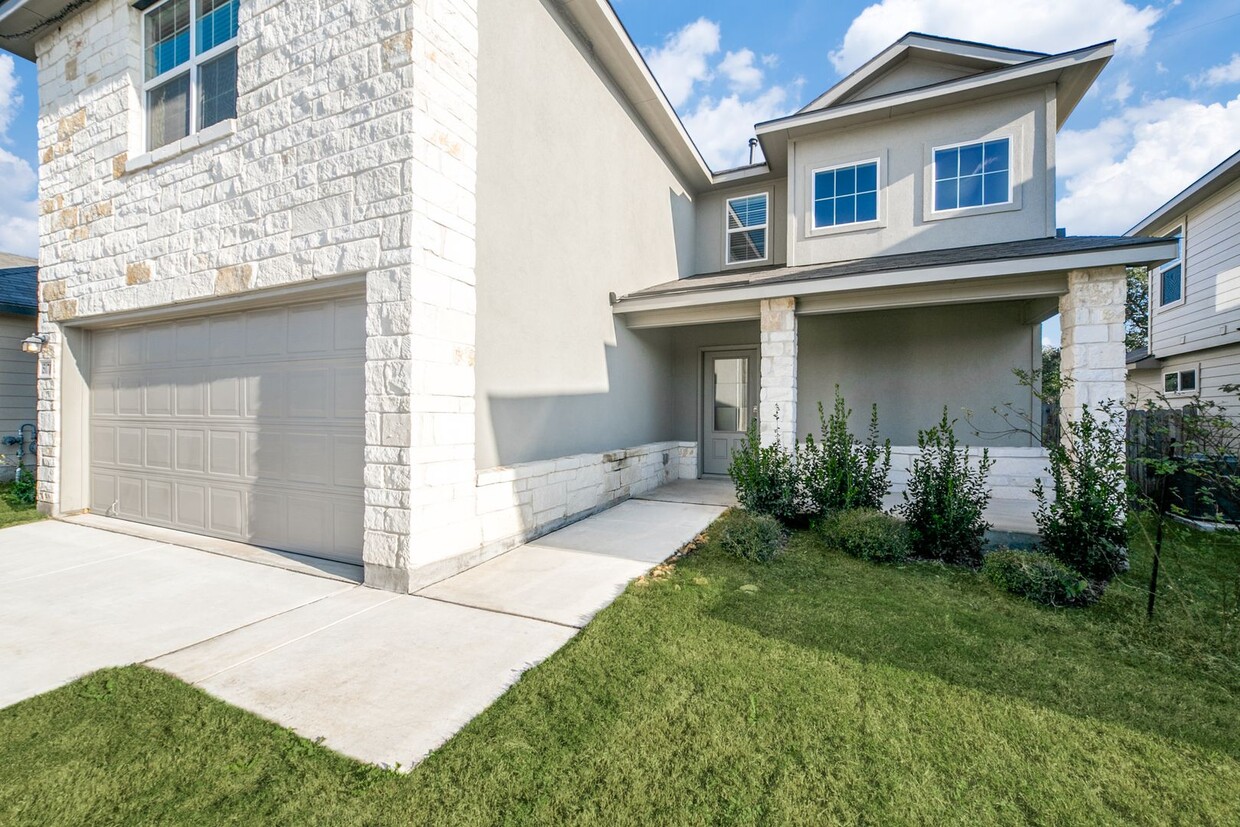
[1166, 110]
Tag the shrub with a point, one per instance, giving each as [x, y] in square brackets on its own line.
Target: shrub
[22, 491]
[837, 471]
[868, 534]
[1083, 524]
[946, 498]
[753, 537]
[1036, 576]
[765, 477]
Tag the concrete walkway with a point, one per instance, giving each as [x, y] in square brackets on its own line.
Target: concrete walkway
[381, 677]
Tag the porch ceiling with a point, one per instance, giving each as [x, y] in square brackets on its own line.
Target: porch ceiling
[1034, 270]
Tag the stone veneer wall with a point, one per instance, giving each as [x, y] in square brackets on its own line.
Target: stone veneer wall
[353, 151]
[1011, 477]
[519, 502]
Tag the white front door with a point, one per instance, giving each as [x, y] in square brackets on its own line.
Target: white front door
[730, 405]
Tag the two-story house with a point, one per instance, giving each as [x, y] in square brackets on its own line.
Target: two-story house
[406, 282]
[1194, 299]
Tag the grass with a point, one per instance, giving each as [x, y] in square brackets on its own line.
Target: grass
[13, 512]
[837, 692]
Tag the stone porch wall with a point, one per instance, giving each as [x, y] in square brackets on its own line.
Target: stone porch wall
[1011, 477]
[519, 502]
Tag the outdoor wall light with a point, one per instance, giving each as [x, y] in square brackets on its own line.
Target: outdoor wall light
[33, 343]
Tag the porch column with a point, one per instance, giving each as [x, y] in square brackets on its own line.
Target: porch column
[778, 371]
[1092, 344]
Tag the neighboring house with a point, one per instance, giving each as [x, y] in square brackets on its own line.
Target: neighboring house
[1194, 345]
[334, 277]
[19, 307]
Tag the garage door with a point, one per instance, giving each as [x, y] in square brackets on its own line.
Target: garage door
[246, 426]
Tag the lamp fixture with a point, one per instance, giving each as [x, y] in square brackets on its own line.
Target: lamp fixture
[33, 343]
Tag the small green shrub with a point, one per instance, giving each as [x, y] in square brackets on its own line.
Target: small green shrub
[837, 471]
[749, 536]
[1035, 576]
[765, 477]
[868, 534]
[22, 491]
[946, 498]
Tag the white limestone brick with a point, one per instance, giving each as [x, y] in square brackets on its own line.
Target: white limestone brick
[778, 371]
[1092, 344]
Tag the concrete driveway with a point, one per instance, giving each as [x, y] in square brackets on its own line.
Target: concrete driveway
[381, 677]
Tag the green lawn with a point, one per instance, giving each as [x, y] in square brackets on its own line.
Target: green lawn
[837, 692]
[13, 512]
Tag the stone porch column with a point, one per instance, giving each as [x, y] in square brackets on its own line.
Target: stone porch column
[778, 371]
[1092, 344]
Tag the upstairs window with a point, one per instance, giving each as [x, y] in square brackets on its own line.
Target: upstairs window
[973, 175]
[746, 228]
[845, 195]
[190, 76]
[1171, 276]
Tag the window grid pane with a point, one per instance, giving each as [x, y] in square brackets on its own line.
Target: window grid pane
[1188, 380]
[1172, 285]
[974, 175]
[217, 97]
[168, 112]
[217, 23]
[747, 228]
[846, 195]
[167, 37]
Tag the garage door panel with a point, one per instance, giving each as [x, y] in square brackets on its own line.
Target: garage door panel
[246, 425]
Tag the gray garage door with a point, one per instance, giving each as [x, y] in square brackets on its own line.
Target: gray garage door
[246, 426]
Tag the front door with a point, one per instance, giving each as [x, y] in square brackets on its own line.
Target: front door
[730, 404]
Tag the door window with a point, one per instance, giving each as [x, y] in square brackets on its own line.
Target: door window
[732, 394]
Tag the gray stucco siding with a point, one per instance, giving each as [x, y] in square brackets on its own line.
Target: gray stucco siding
[913, 362]
[710, 250]
[574, 201]
[17, 383]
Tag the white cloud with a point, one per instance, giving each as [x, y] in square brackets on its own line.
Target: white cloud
[1219, 75]
[681, 62]
[19, 225]
[722, 127]
[1038, 25]
[10, 97]
[740, 71]
[1121, 170]
[1123, 90]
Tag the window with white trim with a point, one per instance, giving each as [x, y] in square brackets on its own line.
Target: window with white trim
[746, 228]
[190, 72]
[1170, 277]
[973, 175]
[845, 194]
[1180, 381]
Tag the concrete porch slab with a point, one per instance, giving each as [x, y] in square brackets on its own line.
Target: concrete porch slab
[706, 491]
[640, 530]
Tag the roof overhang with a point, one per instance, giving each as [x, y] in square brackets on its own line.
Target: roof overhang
[1207, 185]
[21, 22]
[1073, 73]
[1009, 279]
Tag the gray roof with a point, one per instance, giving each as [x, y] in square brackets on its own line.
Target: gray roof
[1032, 248]
[19, 288]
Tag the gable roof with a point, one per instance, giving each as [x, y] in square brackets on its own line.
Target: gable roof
[1195, 193]
[969, 55]
[19, 285]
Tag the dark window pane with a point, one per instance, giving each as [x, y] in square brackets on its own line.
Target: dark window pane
[846, 181]
[1171, 383]
[168, 112]
[1172, 285]
[217, 98]
[747, 212]
[846, 209]
[824, 184]
[995, 188]
[747, 245]
[945, 195]
[946, 164]
[167, 37]
[867, 206]
[867, 178]
[971, 191]
[996, 155]
[217, 23]
[971, 160]
[824, 212]
[1188, 380]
